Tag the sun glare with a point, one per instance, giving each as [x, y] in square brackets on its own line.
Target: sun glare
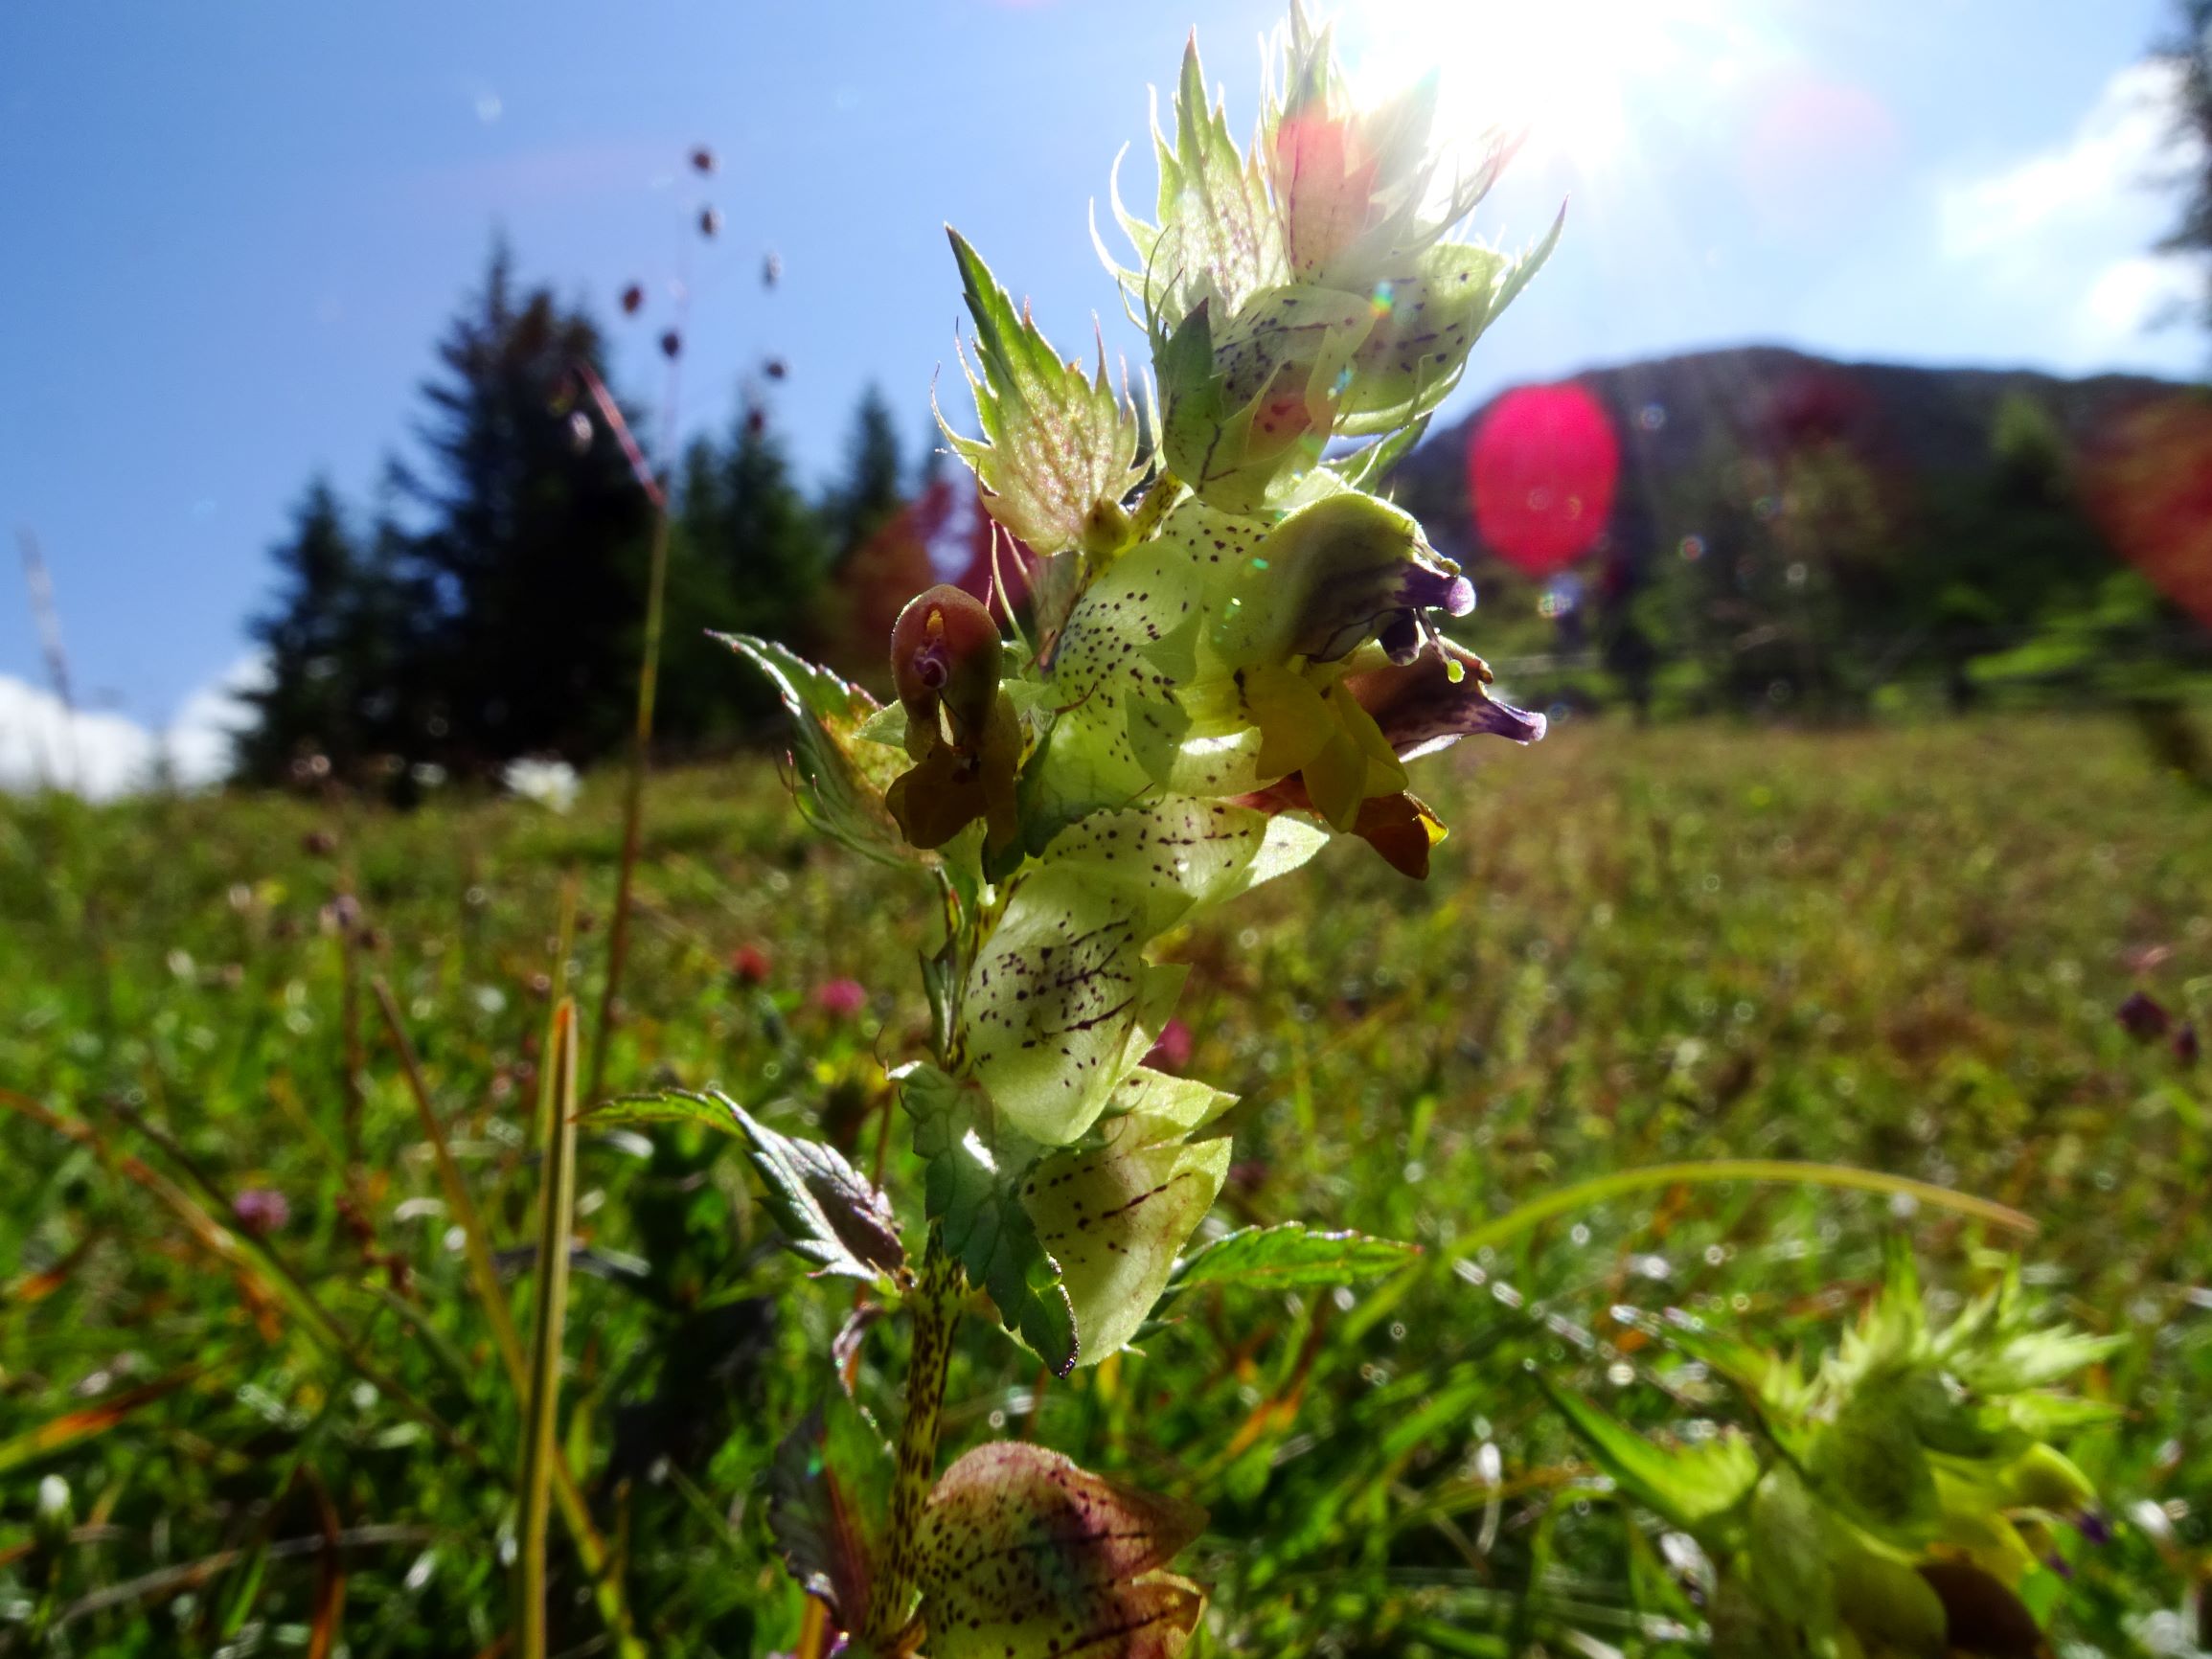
[1566, 71]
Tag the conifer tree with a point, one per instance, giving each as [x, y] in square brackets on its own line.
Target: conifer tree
[336, 645]
[534, 550]
[874, 487]
[2189, 51]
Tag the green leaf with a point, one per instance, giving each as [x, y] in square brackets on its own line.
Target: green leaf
[1685, 1485]
[838, 776]
[980, 1214]
[830, 1214]
[1058, 451]
[1293, 1256]
[629, 1111]
[1026, 1556]
[829, 1491]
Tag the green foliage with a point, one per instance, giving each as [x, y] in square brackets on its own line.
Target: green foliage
[1893, 965]
[971, 1191]
[828, 1487]
[1688, 1485]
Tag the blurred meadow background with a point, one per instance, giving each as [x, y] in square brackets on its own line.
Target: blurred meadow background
[1842, 490]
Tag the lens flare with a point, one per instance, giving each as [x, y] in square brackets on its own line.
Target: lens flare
[1540, 470]
[1563, 71]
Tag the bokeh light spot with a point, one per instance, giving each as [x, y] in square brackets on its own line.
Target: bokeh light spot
[1541, 469]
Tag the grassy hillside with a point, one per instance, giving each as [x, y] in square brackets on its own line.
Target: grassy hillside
[1898, 950]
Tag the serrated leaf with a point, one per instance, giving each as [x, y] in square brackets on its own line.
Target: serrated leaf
[1025, 1555]
[1218, 238]
[1059, 450]
[828, 1212]
[1293, 1256]
[979, 1212]
[829, 1491]
[1685, 1485]
[838, 777]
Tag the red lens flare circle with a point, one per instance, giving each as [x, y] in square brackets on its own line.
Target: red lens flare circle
[1541, 472]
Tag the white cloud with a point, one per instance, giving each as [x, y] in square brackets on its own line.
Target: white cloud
[2133, 295]
[2065, 230]
[102, 755]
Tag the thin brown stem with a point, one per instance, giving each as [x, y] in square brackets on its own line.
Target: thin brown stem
[632, 803]
[591, 1547]
[935, 1305]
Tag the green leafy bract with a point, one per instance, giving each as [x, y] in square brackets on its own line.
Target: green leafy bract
[838, 777]
[1686, 1484]
[1058, 451]
[1114, 1217]
[1218, 240]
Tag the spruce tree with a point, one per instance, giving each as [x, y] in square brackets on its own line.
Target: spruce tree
[874, 487]
[335, 643]
[749, 555]
[2188, 50]
[535, 549]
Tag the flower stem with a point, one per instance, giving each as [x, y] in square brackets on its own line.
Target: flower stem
[935, 1303]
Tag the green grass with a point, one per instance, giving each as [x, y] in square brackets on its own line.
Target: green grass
[1895, 949]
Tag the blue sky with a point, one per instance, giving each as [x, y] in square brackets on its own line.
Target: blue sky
[234, 228]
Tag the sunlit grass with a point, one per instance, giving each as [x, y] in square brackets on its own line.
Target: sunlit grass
[1898, 951]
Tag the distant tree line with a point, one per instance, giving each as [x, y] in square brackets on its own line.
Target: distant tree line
[491, 604]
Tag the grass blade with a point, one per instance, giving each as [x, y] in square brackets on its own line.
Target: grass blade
[484, 1274]
[556, 1224]
[86, 1422]
[1584, 1194]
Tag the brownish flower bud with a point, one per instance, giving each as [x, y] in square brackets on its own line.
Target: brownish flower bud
[632, 299]
[671, 343]
[710, 221]
[702, 159]
[946, 659]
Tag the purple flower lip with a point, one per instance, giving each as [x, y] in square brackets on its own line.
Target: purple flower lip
[1422, 709]
[1424, 587]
